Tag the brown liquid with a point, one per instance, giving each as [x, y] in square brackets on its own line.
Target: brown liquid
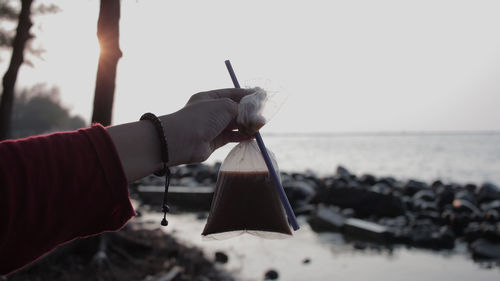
[246, 201]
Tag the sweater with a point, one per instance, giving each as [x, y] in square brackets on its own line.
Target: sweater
[56, 188]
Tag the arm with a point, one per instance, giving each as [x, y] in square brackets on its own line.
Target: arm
[59, 187]
[193, 133]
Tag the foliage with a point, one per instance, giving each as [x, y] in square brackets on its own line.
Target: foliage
[39, 110]
[9, 14]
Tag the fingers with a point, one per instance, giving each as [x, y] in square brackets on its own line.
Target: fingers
[229, 136]
[231, 93]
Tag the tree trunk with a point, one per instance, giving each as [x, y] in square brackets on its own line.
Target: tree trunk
[108, 33]
[17, 59]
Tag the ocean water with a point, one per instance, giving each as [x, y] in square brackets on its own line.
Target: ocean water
[459, 158]
[451, 157]
[330, 256]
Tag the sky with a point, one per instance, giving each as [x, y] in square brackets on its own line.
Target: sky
[344, 66]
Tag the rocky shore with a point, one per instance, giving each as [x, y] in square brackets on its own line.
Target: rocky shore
[369, 211]
[384, 210]
[134, 253]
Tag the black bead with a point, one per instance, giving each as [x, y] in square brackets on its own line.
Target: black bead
[164, 222]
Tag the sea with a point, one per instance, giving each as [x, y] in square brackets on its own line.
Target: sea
[452, 157]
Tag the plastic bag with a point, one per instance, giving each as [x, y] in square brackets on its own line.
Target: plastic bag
[245, 198]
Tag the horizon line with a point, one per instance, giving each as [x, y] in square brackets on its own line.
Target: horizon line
[385, 133]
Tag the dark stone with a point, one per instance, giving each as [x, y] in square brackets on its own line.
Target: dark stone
[303, 209]
[464, 206]
[421, 205]
[466, 195]
[492, 205]
[299, 190]
[202, 216]
[306, 261]
[483, 249]
[368, 179]
[412, 186]
[365, 202]
[326, 219]
[401, 235]
[445, 195]
[436, 184]
[488, 192]
[470, 187]
[476, 230]
[425, 234]
[397, 222]
[216, 167]
[473, 231]
[348, 212]
[342, 172]
[366, 230]
[492, 215]
[390, 181]
[359, 245]
[381, 188]
[271, 275]
[425, 195]
[221, 257]
[434, 216]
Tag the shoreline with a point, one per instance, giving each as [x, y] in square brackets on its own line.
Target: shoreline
[384, 210]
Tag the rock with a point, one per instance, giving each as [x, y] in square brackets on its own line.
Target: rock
[412, 186]
[202, 216]
[434, 216]
[436, 184]
[470, 187]
[342, 172]
[359, 245]
[427, 235]
[466, 195]
[365, 202]
[221, 257]
[396, 222]
[326, 219]
[390, 181]
[299, 190]
[464, 206]
[445, 195]
[271, 275]
[425, 195]
[303, 209]
[216, 167]
[421, 205]
[492, 215]
[483, 249]
[348, 212]
[488, 192]
[368, 179]
[492, 205]
[381, 188]
[473, 231]
[306, 261]
[366, 230]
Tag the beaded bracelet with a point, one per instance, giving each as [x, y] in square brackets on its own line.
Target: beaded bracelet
[164, 158]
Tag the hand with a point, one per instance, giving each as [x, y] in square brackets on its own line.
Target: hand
[203, 125]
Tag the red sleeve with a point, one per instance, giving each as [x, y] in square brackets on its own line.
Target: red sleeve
[56, 188]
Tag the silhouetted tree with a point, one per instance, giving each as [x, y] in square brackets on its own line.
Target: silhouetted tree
[108, 33]
[17, 58]
[39, 110]
[19, 42]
